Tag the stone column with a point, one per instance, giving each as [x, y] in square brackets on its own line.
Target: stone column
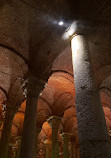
[10, 151]
[6, 132]
[18, 147]
[48, 148]
[38, 130]
[55, 122]
[72, 150]
[65, 138]
[35, 86]
[74, 146]
[13, 151]
[93, 134]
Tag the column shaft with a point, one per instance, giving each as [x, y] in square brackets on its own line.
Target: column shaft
[72, 150]
[55, 122]
[65, 137]
[48, 149]
[10, 151]
[36, 141]
[29, 134]
[93, 135]
[18, 148]
[55, 143]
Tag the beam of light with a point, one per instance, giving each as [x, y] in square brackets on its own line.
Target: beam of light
[75, 44]
[72, 29]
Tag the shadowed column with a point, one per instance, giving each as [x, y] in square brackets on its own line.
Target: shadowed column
[55, 122]
[6, 132]
[48, 144]
[72, 150]
[66, 138]
[74, 146]
[35, 86]
[18, 148]
[38, 130]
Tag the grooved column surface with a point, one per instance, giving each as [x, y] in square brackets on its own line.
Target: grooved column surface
[93, 134]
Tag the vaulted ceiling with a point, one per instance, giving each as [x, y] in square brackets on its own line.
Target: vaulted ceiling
[31, 39]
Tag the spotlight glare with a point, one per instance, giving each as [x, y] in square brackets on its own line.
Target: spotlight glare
[61, 23]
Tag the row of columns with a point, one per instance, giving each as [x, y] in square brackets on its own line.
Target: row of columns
[52, 148]
[92, 130]
[93, 135]
[14, 148]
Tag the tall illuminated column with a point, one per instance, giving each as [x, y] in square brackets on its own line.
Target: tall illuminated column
[93, 134]
[35, 86]
[55, 123]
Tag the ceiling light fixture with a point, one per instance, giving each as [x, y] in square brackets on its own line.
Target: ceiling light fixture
[61, 23]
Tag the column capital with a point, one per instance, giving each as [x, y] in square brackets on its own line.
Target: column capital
[11, 111]
[66, 135]
[54, 121]
[47, 141]
[80, 27]
[35, 86]
[19, 138]
[109, 132]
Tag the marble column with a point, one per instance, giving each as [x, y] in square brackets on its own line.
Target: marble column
[35, 86]
[66, 138]
[93, 134]
[6, 132]
[55, 123]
